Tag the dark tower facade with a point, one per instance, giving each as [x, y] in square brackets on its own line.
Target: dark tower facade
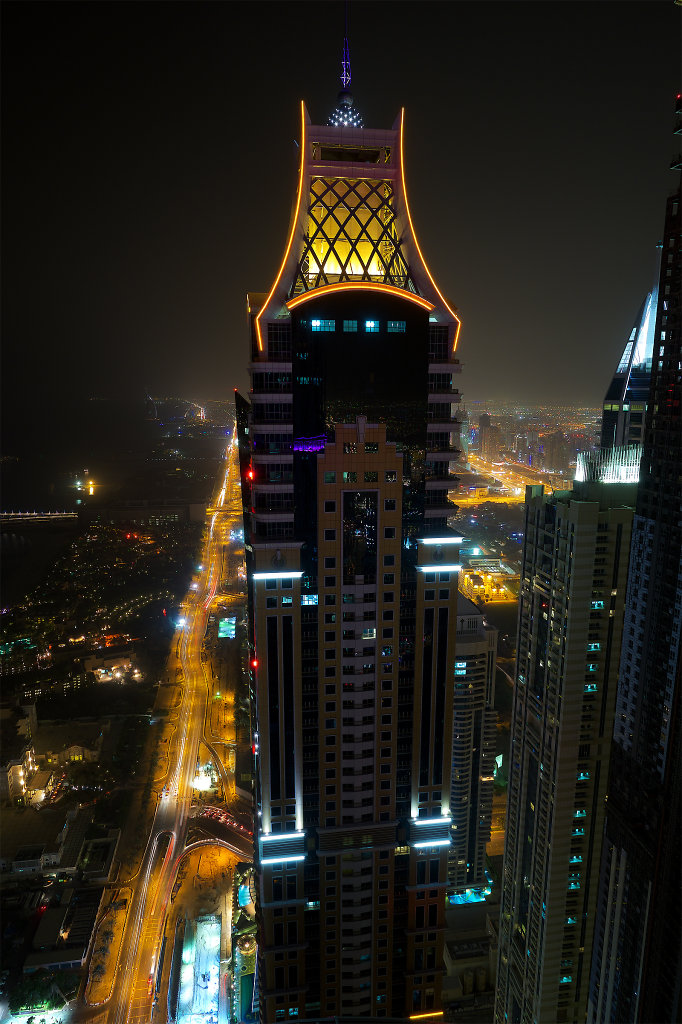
[348, 445]
[636, 965]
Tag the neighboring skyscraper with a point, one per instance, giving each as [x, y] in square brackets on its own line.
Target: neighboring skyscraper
[474, 732]
[347, 451]
[636, 970]
[572, 593]
[625, 401]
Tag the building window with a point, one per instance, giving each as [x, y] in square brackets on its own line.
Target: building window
[330, 506]
[429, 595]
[330, 581]
[350, 326]
[372, 326]
[323, 325]
[330, 477]
[389, 578]
[391, 476]
[389, 505]
[389, 532]
[396, 327]
[371, 447]
[443, 595]
[371, 476]
[330, 534]
[271, 602]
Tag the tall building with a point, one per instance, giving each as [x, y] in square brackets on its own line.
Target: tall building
[347, 450]
[625, 400]
[474, 732]
[637, 969]
[571, 599]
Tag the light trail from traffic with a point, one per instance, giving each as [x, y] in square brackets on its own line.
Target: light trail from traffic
[132, 997]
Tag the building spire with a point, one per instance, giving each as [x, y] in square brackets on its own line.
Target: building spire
[345, 116]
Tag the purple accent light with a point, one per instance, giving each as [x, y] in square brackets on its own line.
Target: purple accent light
[310, 444]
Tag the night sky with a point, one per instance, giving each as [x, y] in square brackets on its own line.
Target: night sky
[149, 172]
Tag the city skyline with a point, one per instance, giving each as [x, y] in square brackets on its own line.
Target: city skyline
[128, 165]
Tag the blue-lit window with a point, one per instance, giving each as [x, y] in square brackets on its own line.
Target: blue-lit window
[583, 776]
[571, 920]
[578, 831]
[592, 666]
[565, 979]
[596, 605]
[350, 477]
[350, 326]
[573, 886]
[460, 664]
[308, 599]
[460, 671]
[372, 326]
[576, 859]
[396, 327]
[323, 325]
[580, 812]
[287, 600]
[590, 688]
[594, 647]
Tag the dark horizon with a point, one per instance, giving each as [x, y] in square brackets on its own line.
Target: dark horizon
[149, 165]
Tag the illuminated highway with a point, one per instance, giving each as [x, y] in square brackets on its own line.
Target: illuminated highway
[513, 476]
[133, 991]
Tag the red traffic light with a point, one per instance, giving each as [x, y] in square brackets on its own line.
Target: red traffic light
[254, 663]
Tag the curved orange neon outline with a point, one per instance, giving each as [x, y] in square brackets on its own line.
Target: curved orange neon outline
[291, 234]
[414, 234]
[369, 286]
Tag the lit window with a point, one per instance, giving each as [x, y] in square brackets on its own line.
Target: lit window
[307, 599]
[396, 327]
[350, 477]
[323, 325]
[372, 326]
[350, 326]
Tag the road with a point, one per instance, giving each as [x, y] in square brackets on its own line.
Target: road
[132, 994]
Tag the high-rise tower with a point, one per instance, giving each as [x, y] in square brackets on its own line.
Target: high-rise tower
[572, 593]
[625, 401]
[637, 967]
[347, 448]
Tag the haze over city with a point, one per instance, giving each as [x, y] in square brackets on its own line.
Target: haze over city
[341, 593]
[149, 166]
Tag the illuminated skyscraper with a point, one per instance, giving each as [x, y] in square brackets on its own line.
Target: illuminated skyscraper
[348, 447]
[474, 733]
[637, 968]
[625, 401]
[571, 599]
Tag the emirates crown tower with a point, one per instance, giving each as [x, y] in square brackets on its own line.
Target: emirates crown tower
[347, 448]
